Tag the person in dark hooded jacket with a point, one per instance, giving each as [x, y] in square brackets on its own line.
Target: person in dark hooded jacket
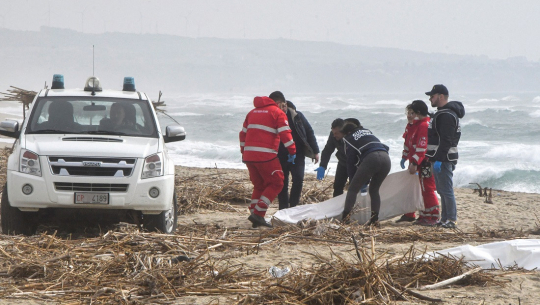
[444, 132]
[306, 146]
[335, 142]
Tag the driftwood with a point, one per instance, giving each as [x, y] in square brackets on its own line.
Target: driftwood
[488, 196]
[479, 189]
[26, 97]
[451, 280]
[483, 192]
[421, 296]
[373, 278]
[413, 293]
[158, 104]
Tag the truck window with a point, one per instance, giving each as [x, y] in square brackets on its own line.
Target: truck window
[83, 115]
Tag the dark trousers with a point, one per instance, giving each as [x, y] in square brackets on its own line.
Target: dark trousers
[297, 172]
[445, 188]
[340, 179]
[375, 166]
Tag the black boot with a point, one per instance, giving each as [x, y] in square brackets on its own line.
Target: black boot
[374, 220]
[346, 218]
[258, 221]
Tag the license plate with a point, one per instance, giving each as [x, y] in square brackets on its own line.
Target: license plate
[97, 198]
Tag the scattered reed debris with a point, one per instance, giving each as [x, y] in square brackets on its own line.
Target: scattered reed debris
[211, 191]
[368, 277]
[4, 154]
[25, 97]
[220, 189]
[131, 267]
[118, 267]
[333, 231]
[128, 266]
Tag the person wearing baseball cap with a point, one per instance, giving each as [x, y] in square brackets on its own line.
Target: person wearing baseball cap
[438, 89]
[444, 132]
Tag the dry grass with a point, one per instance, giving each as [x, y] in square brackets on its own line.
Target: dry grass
[4, 154]
[220, 189]
[212, 191]
[118, 267]
[367, 278]
[25, 97]
[127, 266]
[131, 267]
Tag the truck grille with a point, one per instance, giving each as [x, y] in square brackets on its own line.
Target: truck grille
[90, 187]
[91, 166]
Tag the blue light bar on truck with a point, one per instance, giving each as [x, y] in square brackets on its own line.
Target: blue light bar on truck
[129, 84]
[57, 81]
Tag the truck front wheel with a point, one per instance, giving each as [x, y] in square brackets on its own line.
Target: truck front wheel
[163, 222]
[13, 220]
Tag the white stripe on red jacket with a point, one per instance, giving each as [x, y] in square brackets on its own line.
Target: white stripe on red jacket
[264, 127]
[416, 141]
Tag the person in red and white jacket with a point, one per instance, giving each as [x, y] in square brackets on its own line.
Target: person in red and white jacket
[264, 128]
[414, 151]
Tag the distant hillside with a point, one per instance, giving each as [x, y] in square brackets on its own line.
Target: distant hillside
[178, 64]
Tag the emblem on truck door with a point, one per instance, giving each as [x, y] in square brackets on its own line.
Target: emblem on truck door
[92, 163]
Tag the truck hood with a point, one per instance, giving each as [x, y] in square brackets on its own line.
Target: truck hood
[90, 146]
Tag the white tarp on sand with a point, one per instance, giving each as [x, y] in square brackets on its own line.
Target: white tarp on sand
[400, 194]
[523, 253]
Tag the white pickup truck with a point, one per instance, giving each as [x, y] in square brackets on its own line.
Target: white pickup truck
[89, 151]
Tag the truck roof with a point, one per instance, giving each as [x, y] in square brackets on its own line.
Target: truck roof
[105, 93]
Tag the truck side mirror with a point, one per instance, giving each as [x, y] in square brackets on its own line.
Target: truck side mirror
[174, 133]
[10, 128]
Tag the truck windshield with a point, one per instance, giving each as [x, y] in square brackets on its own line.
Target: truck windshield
[92, 115]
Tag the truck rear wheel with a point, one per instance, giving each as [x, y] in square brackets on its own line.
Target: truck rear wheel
[163, 222]
[13, 220]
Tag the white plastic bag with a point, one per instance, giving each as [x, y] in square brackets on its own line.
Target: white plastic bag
[400, 194]
[523, 253]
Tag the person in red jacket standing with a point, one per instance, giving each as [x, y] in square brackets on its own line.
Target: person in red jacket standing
[415, 152]
[264, 127]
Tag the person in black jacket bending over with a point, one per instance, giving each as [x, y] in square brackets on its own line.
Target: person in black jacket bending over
[335, 142]
[306, 146]
[367, 158]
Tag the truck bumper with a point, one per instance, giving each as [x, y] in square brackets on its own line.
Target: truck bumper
[46, 195]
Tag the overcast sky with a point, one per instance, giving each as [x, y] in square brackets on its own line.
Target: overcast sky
[496, 28]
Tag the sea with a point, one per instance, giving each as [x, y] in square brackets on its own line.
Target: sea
[499, 146]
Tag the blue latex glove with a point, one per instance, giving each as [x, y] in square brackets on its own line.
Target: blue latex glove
[364, 189]
[402, 163]
[320, 172]
[291, 158]
[437, 166]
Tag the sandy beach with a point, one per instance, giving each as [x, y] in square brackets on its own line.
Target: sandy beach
[509, 211]
[510, 214]
[127, 132]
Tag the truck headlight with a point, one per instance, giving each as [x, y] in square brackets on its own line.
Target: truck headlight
[153, 166]
[29, 163]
